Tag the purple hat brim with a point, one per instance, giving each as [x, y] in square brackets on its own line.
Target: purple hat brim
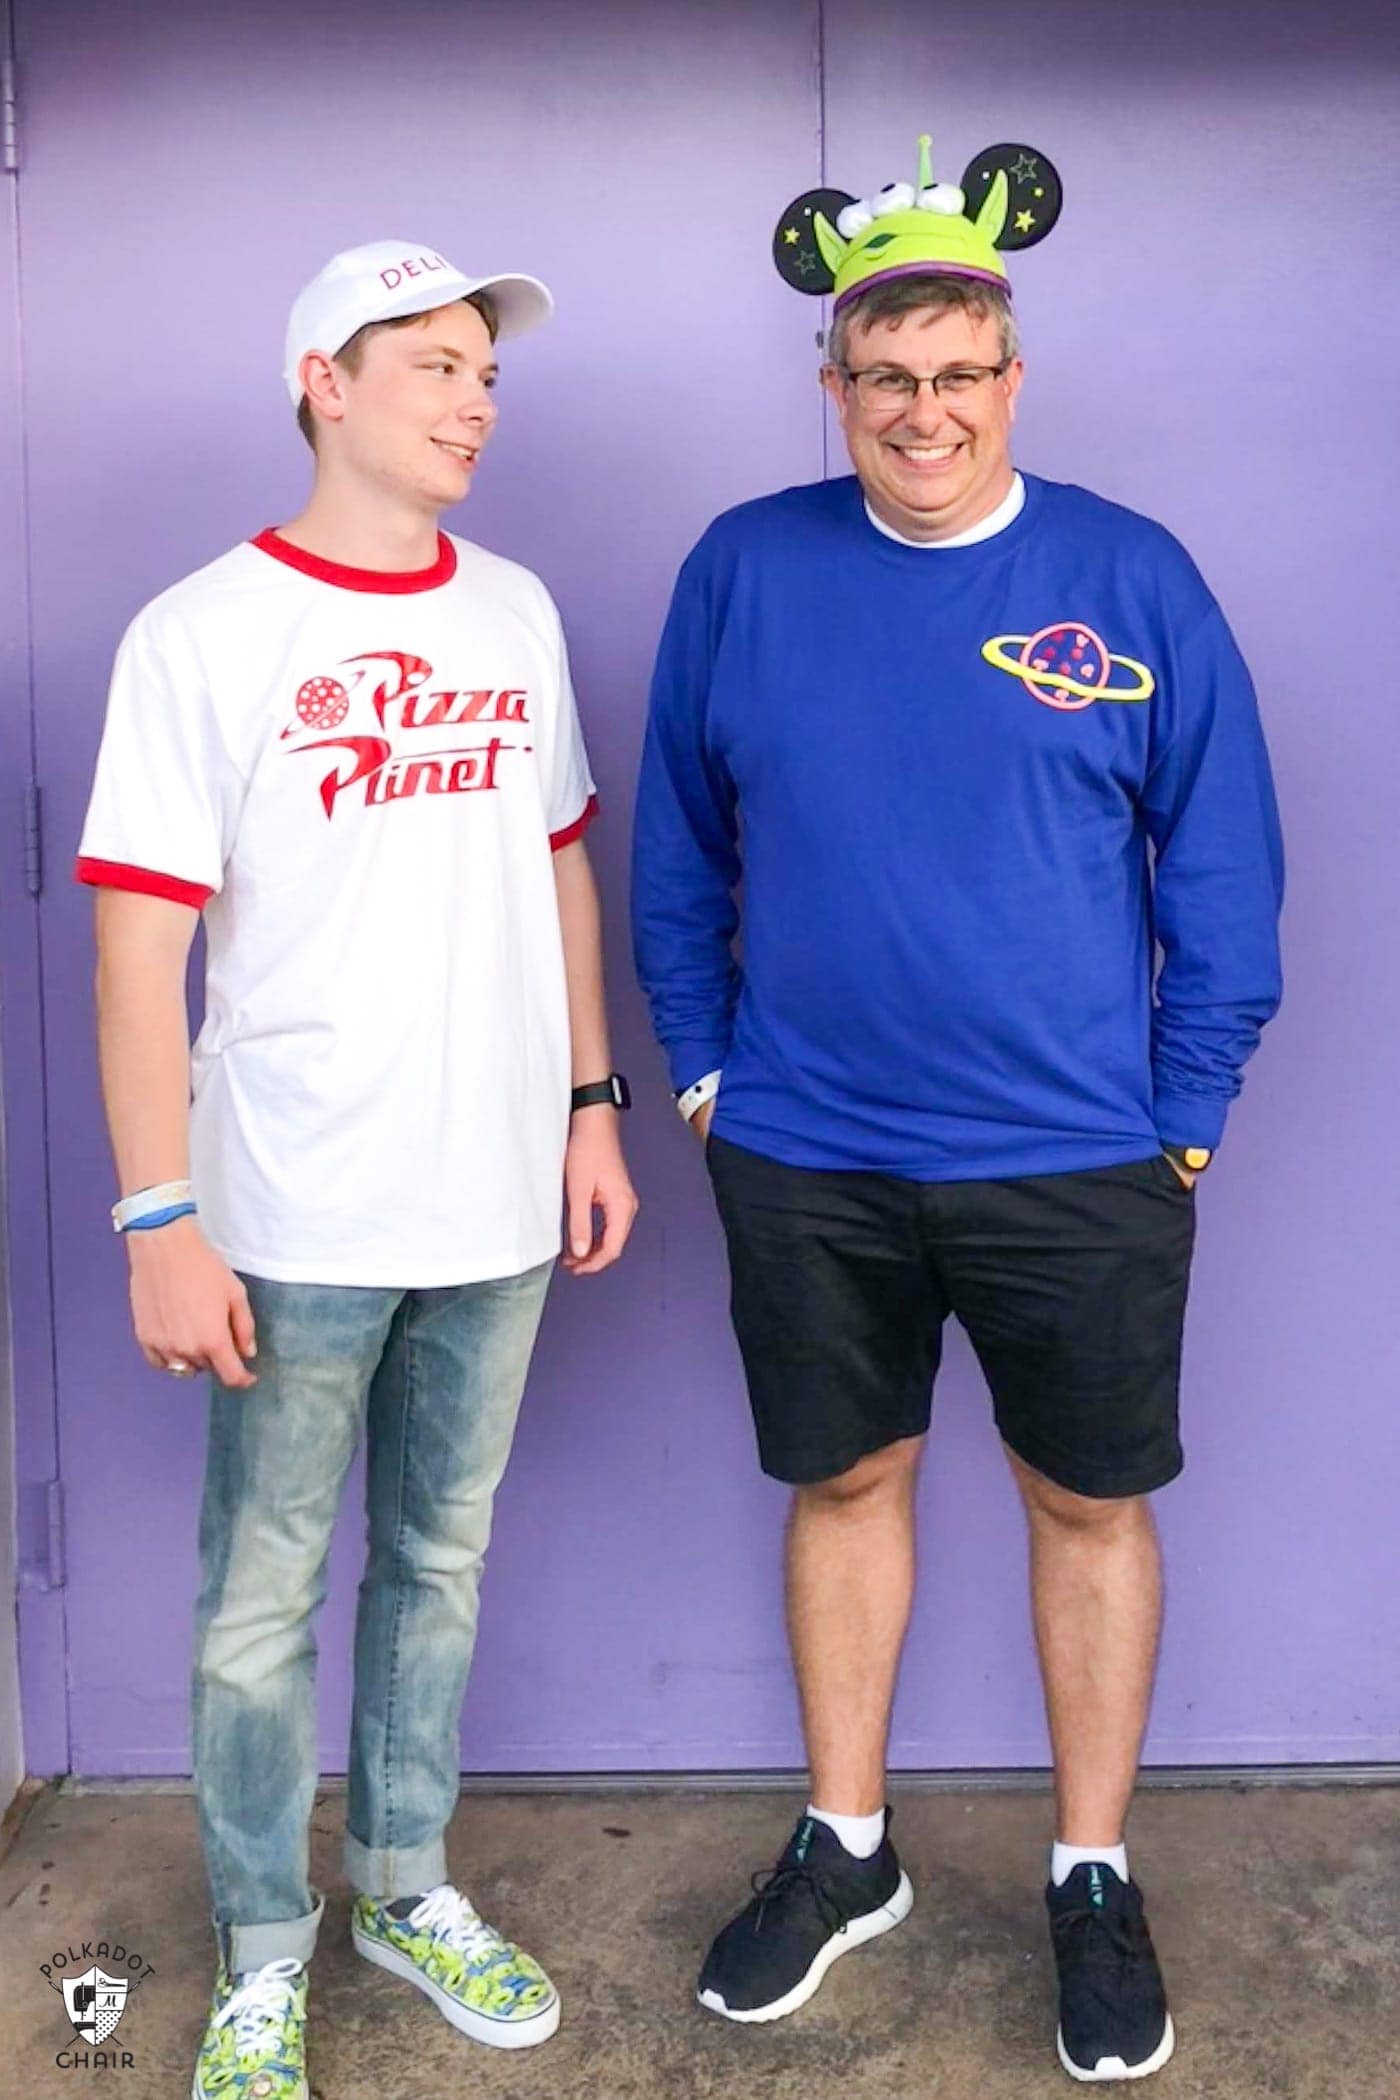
[921, 269]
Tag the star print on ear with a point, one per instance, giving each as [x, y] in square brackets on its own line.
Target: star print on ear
[1035, 194]
[796, 255]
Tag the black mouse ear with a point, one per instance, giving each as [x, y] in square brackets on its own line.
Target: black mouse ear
[1034, 196]
[799, 260]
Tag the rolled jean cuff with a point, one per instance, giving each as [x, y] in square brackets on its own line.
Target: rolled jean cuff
[250, 1946]
[388, 1874]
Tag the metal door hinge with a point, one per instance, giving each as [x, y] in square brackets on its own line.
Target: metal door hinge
[40, 1512]
[33, 837]
[9, 116]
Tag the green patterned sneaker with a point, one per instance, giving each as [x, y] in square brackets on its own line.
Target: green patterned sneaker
[255, 2043]
[485, 1986]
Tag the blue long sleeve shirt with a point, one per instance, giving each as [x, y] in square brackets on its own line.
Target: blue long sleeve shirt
[967, 795]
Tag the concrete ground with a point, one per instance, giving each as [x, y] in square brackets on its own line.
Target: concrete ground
[1276, 1912]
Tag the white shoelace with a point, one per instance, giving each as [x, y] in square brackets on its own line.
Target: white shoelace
[258, 2006]
[447, 1915]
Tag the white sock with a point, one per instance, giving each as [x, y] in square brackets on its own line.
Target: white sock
[1065, 1858]
[861, 1836]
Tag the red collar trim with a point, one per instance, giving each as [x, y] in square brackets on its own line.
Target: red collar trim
[389, 582]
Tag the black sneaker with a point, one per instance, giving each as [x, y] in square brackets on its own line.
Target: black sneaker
[1114, 2021]
[816, 1904]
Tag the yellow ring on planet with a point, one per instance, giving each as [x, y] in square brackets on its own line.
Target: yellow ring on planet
[995, 653]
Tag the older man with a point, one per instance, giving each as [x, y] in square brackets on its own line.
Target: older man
[987, 742]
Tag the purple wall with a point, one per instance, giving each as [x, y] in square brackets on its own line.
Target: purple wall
[186, 168]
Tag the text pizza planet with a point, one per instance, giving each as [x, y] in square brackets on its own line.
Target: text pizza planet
[373, 765]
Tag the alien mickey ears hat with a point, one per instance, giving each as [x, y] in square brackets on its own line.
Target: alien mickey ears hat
[827, 241]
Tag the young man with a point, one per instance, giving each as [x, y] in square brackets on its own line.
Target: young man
[986, 739]
[351, 744]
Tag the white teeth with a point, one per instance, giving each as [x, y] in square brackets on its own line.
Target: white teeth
[457, 451]
[928, 451]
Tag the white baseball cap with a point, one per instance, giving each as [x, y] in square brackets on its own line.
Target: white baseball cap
[387, 279]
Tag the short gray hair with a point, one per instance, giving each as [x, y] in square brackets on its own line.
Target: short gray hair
[930, 293]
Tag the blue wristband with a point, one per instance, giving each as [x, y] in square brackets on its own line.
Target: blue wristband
[160, 1217]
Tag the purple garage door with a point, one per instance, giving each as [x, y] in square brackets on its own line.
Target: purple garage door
[184, 169]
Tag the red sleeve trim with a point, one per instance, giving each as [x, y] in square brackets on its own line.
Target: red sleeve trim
[116, 875]
[577, 828]
[384, 582]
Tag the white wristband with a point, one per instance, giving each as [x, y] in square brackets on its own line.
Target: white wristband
[696, 1096]
[146, 1202]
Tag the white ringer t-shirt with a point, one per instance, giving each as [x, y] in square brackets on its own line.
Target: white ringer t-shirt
[359, 776]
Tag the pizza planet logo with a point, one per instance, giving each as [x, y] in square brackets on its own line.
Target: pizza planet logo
[381, 756]
[322, 703]
[94, 1981]
[1067, 666]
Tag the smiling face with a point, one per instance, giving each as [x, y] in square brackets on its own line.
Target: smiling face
[412, 410]
[936, 465]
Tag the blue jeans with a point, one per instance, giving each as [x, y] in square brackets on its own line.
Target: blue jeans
[435, 1377]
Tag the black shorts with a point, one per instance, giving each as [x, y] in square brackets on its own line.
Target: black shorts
[1072, 1289]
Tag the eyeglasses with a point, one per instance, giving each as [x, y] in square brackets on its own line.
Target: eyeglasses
[890, 386]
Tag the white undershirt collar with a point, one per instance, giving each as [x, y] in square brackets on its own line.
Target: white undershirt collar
[1009, 508]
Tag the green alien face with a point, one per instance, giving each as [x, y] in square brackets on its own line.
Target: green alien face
[917, 239]
[829, 242]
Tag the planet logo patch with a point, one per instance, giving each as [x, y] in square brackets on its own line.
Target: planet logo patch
[1067, 666]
